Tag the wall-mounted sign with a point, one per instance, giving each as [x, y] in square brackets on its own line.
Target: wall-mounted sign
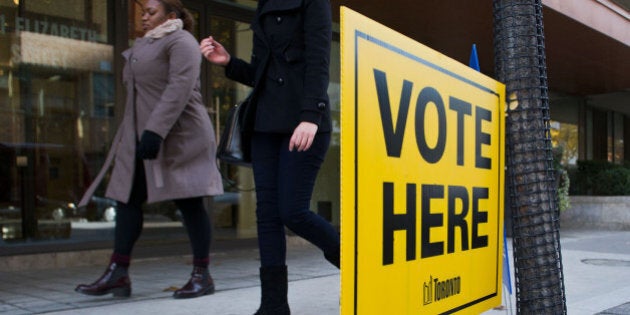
[59, 52]
[47, 25]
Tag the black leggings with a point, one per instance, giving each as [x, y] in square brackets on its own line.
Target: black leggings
[129, 220]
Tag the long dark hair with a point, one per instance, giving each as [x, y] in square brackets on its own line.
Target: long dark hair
[181, 12]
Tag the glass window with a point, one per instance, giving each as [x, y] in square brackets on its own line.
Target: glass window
[564, 128]
[615, 137]
[565, 137]
[56, 97]
[234, 211]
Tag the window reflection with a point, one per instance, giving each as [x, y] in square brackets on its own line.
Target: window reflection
[565, 135]
[56, 97]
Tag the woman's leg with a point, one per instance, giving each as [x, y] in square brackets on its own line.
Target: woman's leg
[284, 186]
[271, 235]
[198, 226]
[129, 219]
[297, 172]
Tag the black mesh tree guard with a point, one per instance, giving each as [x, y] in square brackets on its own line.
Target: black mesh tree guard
[519, 51]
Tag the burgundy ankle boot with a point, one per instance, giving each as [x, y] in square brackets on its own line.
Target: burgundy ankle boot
[115, 280]
[200, 283]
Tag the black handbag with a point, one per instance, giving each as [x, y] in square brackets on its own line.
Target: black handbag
[234, 143]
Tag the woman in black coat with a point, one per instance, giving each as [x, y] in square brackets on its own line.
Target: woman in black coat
[289, 72]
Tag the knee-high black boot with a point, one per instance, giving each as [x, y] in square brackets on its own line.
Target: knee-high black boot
[274, 287]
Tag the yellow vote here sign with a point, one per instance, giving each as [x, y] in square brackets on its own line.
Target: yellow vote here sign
[422, 176]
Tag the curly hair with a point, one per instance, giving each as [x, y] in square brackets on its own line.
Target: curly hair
[181, 12]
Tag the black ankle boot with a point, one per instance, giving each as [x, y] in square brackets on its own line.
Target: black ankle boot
[333, 257]
[115, 280]
[200, 283]
[274, 287]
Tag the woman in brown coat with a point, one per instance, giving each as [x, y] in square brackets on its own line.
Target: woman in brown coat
[164, 148]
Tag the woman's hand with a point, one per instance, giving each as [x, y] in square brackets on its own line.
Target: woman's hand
[214, 51]
[303, 136]
[149, 145]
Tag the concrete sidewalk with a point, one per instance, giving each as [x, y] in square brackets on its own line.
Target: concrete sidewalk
[596, 269]
[233, 302]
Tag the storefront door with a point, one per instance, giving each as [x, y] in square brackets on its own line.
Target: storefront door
[233, 213]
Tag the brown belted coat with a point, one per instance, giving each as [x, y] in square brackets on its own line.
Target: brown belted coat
[161, 77]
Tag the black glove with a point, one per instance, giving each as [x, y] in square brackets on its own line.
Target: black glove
[149, 145]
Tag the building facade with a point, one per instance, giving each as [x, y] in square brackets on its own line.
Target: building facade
[61, 97]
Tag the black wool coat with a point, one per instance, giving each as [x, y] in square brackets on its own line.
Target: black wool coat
[289, 67]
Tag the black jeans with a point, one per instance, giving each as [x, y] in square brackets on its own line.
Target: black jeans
[284, 186]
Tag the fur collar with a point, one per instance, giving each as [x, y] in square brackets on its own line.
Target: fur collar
[165, 28]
